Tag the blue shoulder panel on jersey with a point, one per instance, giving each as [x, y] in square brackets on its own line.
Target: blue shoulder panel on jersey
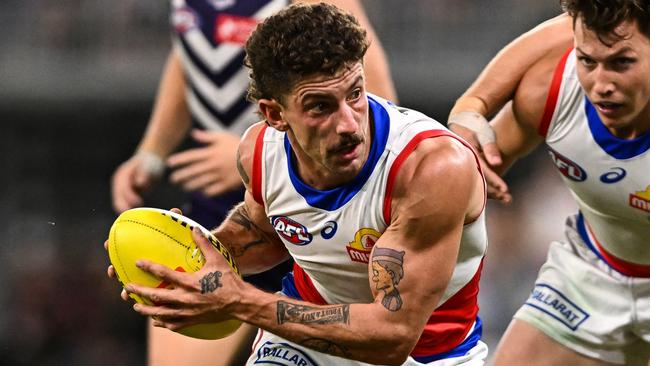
[335, 198]
[614, 146]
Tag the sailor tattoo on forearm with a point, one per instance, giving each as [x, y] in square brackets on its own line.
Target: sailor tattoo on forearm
[210, 282]
[387, 272]
[294, 313]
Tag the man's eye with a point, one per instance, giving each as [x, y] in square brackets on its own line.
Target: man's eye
[355, 94]
[624, 61]
[317, 107]
[586, 61]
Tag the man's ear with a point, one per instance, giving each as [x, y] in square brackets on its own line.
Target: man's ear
[272, 112]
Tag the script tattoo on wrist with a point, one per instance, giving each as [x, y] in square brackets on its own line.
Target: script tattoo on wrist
[325, 346]
[387, 272]
[294, 313]
[210, 282]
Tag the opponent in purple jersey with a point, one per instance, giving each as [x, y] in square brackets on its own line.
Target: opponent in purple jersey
[309, 83]
[203, 88]
[581, 84]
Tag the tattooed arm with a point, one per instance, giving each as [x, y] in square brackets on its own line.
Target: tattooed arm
[411, 265]
[246, 231]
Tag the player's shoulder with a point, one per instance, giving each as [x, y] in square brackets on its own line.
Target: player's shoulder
[438, 159]
[440, 176]
[556, 35]
[246, 150]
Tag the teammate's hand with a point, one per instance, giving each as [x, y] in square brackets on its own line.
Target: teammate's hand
[476, 130]
[132, 178]
[211, 169]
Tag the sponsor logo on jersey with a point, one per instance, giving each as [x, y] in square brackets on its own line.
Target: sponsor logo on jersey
[184, 19]
[271, 353]
[294, 232]
[233, 29]
[641, 200]
[552, 302]
[359, 249]
[567, 167]
[614, 175]
[329, 230]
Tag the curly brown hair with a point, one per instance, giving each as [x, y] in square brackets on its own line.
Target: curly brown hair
[603, 16]
[299, 41]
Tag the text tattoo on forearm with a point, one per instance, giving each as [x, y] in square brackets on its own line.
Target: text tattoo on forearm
[294, 313]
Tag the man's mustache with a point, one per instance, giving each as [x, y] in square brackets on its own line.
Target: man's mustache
[347, 142]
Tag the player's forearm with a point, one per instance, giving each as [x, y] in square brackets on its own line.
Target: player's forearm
[356, 331]
[170, 119]
[254, 250]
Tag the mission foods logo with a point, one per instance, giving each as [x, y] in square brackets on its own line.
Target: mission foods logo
[359, 249]
[271, 353]
[294, 232]
[641, 200]
[552, 302]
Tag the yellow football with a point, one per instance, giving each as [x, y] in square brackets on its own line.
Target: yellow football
[163, 237]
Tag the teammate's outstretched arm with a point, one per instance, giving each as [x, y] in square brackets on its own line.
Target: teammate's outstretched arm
[496, 85]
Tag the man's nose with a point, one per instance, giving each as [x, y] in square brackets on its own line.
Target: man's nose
[603, 83]
[347, 124]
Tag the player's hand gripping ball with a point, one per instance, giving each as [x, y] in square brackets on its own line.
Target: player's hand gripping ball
[163, 237]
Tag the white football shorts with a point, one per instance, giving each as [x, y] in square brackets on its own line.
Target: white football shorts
[269, 349]
[582, 303]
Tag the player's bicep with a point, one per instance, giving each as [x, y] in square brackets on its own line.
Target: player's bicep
[412, 262]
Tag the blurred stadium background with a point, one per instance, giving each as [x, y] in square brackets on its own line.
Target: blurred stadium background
[77, 81]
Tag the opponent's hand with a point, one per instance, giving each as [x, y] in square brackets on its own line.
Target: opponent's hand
[211, 169]
[134, 177]
[476, 130]
[206, 296]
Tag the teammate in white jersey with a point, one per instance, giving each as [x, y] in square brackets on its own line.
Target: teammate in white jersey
[381, 207]
[581, 84]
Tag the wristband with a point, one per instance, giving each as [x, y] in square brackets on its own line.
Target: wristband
[476, 123]
[151, 163]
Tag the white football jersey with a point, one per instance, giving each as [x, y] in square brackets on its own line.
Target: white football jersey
[330, 233]
[609, 177]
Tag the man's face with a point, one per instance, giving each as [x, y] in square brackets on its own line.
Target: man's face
[615, 74]
[382, 277]
[328, 125]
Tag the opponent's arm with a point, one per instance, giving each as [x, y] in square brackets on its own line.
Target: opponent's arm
[422, 240]
[170, 119]
[167, 127]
